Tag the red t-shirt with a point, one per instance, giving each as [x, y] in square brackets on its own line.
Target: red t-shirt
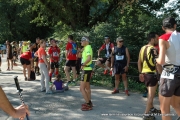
[70, 56]
[40, 53]
[104, 46]
[26, 55]
[54, 51]
[165, 36]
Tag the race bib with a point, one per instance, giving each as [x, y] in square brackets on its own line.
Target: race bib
[119, 57]
[55, 54]
[167, 75]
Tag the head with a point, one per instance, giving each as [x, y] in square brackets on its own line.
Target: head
[84, 41]
[119, 41]
[169, 23]
[70, 38]
[33, 45]
[37, 40]
[153, 38]
[42, 43]
[58, 77]
[53, 43]
[7, 42]
[106, 39]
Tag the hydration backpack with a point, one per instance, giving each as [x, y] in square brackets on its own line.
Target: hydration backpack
[74, 48]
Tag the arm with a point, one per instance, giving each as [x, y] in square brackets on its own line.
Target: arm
[45, 60]
[139, 63]
[5, 105]
[128, 57]
[87, 60]
[162, 46]
[99, 51]
[112, 58]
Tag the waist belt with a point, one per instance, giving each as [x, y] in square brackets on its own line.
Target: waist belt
[171, 68]
[149, 73]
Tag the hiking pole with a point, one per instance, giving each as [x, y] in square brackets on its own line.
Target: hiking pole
[20, 95]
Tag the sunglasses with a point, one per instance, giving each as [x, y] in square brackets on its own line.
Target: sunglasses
[120, 41]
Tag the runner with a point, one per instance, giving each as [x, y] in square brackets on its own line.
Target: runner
[79, 57]
[44, 67]
[36, 58]
[54, 54]
[107, 46]
[147, 70]
[71, 52]
[119, 64]
[85, 89]
[169, 57]
[25, 59]
[9, 55]
[14, 49]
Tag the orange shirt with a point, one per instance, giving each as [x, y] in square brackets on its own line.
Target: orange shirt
[40, 53]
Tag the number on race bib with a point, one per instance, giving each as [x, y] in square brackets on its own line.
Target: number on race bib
[167, 75]
[119, 57]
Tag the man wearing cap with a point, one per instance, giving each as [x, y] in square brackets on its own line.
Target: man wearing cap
[86, 67]
[107, 46]
[169, 57]
[70, 59]
[54, 54]
[119, 64]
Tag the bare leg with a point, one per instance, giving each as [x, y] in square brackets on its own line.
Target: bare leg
[124, 78]
[175, 102]
[74, 73]
[117, 81]
[66, 69]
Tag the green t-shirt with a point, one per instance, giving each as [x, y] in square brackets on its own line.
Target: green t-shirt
[87, 51]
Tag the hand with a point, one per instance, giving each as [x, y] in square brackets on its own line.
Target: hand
[126, 68]
[141, 77]
[82, 67]
[21, 111]
[48, 66]
[112, 69]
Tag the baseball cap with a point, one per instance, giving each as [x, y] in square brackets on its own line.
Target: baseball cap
[84, 39]
[106, 37]
[119, 39]
[169, 22]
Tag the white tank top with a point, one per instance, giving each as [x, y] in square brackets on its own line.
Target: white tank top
[172, 55]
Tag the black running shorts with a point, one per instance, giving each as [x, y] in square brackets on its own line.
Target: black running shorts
[54, 65]
[104, 59]
[25, 61]
[71, 63]
[86, 75]
[150, 80]
[170, 87]
[119, 68]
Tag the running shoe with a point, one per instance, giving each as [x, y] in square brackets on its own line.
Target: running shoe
[84, 104]
[145, 94]
[49, 92]
[50, 83]
[86, 107]
[105, 72]
[115, 91]
[154, 110]
[127, 92]
[148, 117]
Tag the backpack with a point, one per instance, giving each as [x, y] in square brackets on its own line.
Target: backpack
[74, 48]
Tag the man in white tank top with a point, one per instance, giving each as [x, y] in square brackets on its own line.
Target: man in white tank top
[169, 57]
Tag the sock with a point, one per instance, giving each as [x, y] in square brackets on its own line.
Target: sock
[90, 101]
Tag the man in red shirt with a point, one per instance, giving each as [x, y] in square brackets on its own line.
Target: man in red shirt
[54, 53]
[107, 46]
[71, 58]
